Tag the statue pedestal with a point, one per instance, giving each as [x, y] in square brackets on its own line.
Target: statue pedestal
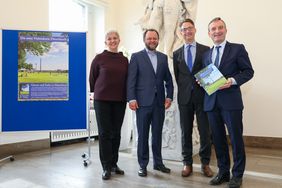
[126, 130]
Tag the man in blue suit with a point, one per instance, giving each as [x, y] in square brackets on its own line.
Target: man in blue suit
[225, 107]
[148, 77]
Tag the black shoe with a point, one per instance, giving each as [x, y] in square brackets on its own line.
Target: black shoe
[219, 179]
[106, 175]
[162, 168]
[117, 170]
[142, 172]
[235, 182]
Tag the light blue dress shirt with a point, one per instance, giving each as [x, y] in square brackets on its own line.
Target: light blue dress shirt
[153, 58]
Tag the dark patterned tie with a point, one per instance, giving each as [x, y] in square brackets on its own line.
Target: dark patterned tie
[216, 62]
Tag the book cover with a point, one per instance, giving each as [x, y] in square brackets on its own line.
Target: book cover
[210, 78]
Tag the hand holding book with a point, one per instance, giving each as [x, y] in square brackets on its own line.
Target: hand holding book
[227, 84]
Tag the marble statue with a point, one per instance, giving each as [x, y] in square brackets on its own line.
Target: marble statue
[165, 16]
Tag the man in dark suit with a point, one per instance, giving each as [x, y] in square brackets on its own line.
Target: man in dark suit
[225, 106]
[148, 76]
[191, 98]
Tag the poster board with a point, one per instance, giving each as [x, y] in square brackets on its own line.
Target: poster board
[39, 92]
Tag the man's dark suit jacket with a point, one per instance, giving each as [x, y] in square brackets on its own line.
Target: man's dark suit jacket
[184, 78]
[234, 63]
[143, 84]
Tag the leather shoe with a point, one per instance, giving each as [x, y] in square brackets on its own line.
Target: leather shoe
[207, 171]
[142, 172]
[106, 175]
[235, 182]
[219, 179]
[162, 168]
[187, 170]
[117, 170]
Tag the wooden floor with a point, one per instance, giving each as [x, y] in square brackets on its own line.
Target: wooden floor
[62, 167]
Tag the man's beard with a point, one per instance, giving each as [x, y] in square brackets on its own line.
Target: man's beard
[149, 48]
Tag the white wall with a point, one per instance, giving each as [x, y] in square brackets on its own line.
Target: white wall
[28, 14]
[126, 18]
[255, 23]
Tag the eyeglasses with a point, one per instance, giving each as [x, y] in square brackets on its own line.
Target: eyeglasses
[187, 29]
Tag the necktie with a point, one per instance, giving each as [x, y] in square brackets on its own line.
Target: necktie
[216, 62]
[189, 58]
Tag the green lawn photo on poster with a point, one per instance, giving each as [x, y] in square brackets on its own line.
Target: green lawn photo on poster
[43, 77]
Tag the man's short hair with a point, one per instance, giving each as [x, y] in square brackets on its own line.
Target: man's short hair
[146, 31]
[186, 20]
[216, 19]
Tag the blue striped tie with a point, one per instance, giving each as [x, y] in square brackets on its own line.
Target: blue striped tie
[189, 58]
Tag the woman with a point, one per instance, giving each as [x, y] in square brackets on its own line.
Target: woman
[108, 74]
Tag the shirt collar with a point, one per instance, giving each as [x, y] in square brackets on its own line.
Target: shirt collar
[192, 44]
[153, 52]
[221, 44]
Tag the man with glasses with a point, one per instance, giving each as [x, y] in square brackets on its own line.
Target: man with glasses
[187, 61]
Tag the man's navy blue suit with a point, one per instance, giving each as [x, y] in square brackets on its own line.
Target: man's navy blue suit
[225, 107]
[149, 89]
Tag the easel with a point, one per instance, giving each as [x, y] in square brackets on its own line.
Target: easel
[86, 156]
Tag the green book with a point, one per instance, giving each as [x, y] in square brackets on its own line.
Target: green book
[210, 78]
